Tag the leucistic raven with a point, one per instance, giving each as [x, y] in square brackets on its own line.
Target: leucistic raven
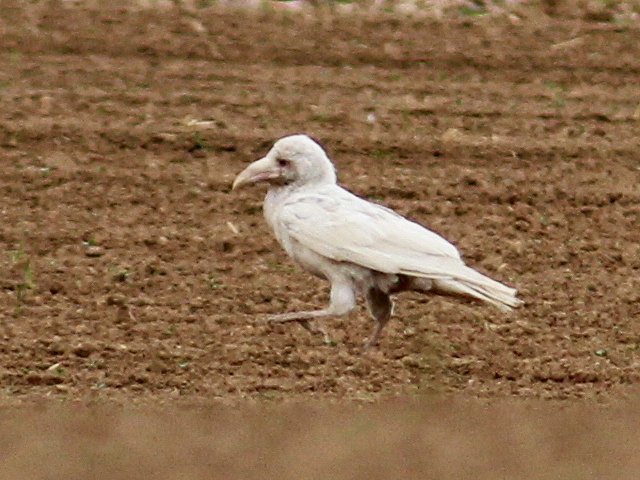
[360, 247]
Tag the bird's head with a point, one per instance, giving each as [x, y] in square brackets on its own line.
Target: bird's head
[293, 160]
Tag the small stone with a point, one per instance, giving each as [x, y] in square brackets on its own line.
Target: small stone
[452, 135]
[54, 367]
[166, 137]
[124, 314]
[94, 251]
[157, 366]
[116, 299]
[84, 350]
[56, 348]
[410, 361]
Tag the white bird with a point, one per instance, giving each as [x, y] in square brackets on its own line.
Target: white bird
[360, 247]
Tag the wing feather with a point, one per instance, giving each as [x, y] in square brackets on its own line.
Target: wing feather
[337, 224]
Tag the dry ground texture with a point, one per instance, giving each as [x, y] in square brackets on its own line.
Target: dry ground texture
[130, 274]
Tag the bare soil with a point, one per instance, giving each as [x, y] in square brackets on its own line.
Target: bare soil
[432, 440]
[130, 273]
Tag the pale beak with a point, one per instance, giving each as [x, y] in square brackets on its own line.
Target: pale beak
[259, 171]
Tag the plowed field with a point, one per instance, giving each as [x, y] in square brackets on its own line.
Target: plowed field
[130, 273]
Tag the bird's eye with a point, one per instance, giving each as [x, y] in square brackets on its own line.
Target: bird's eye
[282, 162]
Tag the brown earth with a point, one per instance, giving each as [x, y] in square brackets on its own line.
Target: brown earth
[129, 272]
[409, 439]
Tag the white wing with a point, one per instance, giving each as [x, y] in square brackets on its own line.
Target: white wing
[339, 225]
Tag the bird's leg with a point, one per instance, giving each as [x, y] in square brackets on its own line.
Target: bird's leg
[380, 306]
[343, 300]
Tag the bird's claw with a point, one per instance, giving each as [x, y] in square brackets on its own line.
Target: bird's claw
[305, 323]
[328, 341]
[368, 345]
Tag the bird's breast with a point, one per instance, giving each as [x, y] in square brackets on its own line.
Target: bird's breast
[272, 207]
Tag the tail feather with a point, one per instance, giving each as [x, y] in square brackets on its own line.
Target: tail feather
[503, 298]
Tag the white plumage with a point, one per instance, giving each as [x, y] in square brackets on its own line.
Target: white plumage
[360, 247]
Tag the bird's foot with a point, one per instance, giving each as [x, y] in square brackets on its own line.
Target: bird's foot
[370, 343]
[326, 338]
[312, 327]
[305, 322]
[375, 337]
